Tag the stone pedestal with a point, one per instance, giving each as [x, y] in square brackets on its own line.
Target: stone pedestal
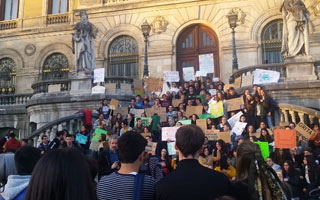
[300, 68]
[81, 83]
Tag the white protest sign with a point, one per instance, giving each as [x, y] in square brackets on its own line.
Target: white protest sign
[98, 90]
[232, 121]
[136, 112]
[98, 75]
[206, 63]
[265, 76]
[171, 76]
[215, 79]
[169, 133]
[171, 148]
[239, 128]
[201, 73]
[188, 74]
[213, 92]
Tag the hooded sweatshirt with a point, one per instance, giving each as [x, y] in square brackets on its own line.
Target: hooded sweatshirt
[15, 185]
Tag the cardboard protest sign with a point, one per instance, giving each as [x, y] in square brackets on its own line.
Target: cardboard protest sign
[232, 121]
[54, 88]
[110, 87]
[82, 139]
[146, 134]
[98, 90]
[185, 122]
[114, 103]
[153, 84]
[188, 74]
[151, 147]
[264, 148]
[225, 136]
[257, 134]
[228, 86]
[145, 121]
[285, 139]
[122, 110]
[202, 123]
[171, 76]
[304, 130]
[98, 75]
[234, 104]
[97, 133]
[216, 109]
[206, 63]
[171, 148]
[169, 133]
[159, 111]
[212, 135]
[239, 128]
[136, 112]
[125, 88]
[246, 80]
[176, 102]
[138, 87]
[265, 76]
[193, 110]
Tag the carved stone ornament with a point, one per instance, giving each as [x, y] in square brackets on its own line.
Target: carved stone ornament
[159, 25]
[30, 49]
[315, 8]
[241, 14]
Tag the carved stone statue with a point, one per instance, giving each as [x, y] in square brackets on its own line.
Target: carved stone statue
[83, 47]
[296, 19]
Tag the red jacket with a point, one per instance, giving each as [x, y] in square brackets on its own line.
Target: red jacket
[13, 143]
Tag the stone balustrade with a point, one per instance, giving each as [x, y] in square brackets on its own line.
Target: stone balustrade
[14, 99]
[8, 24]
[71, 123]
[43, 86]
[296, 114]
[58, 19]
[118, 80]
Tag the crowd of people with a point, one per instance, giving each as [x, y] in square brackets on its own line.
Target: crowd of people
[119, 167]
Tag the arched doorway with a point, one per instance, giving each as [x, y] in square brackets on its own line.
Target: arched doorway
[197, 40]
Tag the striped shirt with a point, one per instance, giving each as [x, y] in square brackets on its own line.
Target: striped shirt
[120, 187]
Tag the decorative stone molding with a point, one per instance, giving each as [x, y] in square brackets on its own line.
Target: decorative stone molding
[30, 49]
[159, 25]
[10, 24]
[315, 8]
[58, 19]
[241, 14]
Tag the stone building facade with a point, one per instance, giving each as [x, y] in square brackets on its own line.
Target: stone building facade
[40, 31]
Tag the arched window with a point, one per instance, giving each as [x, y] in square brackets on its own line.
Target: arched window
[55, 67]
[123, 57]
[271, 42]
[9, 9]
[7, 76]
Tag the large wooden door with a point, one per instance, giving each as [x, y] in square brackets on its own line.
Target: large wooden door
[196, 40]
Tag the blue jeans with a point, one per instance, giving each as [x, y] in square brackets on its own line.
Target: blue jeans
[269, 121]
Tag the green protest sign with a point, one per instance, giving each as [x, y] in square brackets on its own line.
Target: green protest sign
[205, 116]
[145, 121]
[185, 122]
[97, 133]
[264, 147]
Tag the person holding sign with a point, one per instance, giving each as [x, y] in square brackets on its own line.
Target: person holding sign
[104, 109]
[191, 180]
[315, 138]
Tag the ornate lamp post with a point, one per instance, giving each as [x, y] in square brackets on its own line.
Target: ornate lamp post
[145, 27]
[233, 19]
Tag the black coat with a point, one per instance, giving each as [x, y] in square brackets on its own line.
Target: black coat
[192, 181]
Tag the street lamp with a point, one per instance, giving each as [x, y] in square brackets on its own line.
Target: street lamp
[233, 19]
[145, 27]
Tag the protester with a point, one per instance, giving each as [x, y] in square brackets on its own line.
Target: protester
[205, 159]
[25, 160]
[180, 183]
[255, 179]
[108, 159]
[55, 143]
[61, 174]
[291, 177]
[12, 144]
[127, 183]
[273, 165]
[7, 167]
[311, 174]
[44, 145]
[226, 168]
